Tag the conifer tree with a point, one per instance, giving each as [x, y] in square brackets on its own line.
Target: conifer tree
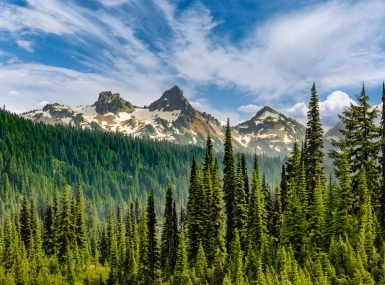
[267, 201]
[181, 266]
[167, 233]
[382, 215]
[284, 188]
[236, 259]
[201, 265]
[229, 184]
[49, 232]
[366, 234]
[151, 224]
[25, 226]
[257, 219]
[245, 176]
[145, 271]
[330, 208]
[174, 239]
[293, 222]
[314, 136]
[207, 192]
[344, 198]
[361, 141]
[66, 236]
[80, 227]
[130, 261]
[195, 226]
[217, 220]
[317, 219]
[240, 206]
[277, 215]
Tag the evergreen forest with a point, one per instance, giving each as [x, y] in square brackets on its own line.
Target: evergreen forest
[92, 207]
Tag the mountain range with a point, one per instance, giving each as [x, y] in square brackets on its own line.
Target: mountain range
[173, 118]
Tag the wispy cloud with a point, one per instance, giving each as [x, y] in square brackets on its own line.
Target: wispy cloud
[249, 108]
[332, 44]
[13, 93]
[27, 45]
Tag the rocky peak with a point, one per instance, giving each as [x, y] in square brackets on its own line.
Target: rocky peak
[211, 119]
[108, 102]
[173, 100]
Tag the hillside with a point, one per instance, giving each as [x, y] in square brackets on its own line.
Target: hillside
[112, 167]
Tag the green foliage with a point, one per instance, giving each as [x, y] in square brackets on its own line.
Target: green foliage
[57, 235]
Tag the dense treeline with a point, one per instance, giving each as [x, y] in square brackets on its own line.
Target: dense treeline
[111, 167]
[236, 228]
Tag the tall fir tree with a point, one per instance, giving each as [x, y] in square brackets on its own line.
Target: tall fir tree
[229, 184]
[314, 138]
[361, 141]
[80, 227]
[152, 241]
[343, 218]
[277, 215]
[382, 214]
[257, 217]
[245, 175]
[217, 220]
[316, 225]
[293, 223]
[207, 192]
[145, 272]
[25, 225]
[194, 214]
[167, 232]
[240, 206]
[181, 266]
[284, 188]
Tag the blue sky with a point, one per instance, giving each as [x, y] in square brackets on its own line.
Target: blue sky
[230, 57]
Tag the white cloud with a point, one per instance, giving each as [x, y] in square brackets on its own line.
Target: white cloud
[13, 60]
[298, 112]
[329, 109]
[13, 93]
[249, 108]
[27, 45]
[333, 106]
[43, 103]
[277, 61]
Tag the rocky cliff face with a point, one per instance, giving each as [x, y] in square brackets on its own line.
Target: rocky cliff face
[173, 100]
[112, 103]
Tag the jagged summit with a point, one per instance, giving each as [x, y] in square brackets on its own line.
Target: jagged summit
[270, 132]
[172, 100]
[172, 118]
[112, 103]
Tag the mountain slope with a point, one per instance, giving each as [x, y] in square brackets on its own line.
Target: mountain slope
[269, 132]
[172, 118]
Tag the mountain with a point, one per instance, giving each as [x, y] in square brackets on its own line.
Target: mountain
[172, 118]
[269, 132]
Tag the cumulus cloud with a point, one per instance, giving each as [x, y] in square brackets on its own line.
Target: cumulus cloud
[333, 106]
[13, 93]
[298, 112]
[43, 103]
[329, 109]
[249, 108]
[27, 45]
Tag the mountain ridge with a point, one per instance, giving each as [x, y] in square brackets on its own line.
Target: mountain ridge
[172, 118]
